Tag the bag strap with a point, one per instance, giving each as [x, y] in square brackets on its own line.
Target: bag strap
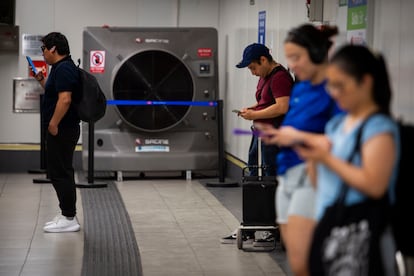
[277, 120]
[357, 148]
[274, 71]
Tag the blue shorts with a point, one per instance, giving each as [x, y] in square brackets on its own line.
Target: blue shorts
[295, 195]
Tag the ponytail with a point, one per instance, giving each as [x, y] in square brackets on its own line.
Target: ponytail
[316, 41]
[382, 85]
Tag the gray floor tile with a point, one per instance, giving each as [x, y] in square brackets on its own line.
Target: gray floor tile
[12, 256]
[178, 225]
[10, 270]
[180, 228]
[7, 243]
[173, 272]
[24, 248]
[56, 269]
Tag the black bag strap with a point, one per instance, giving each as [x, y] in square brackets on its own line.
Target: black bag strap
[277, 120]
[274, 71]
[269, 79]
[357, 148]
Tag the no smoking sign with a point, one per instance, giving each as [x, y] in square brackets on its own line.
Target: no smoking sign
[97, 61]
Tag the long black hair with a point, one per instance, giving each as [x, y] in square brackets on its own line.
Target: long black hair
[358, 61]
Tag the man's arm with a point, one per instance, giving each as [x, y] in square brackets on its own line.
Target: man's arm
[277, 109]
[62, 106]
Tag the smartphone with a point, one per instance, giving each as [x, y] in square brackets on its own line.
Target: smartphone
[236, 111]
[30, 61]
[299, 144]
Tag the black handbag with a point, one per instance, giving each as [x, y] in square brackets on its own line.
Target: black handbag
[346, 241]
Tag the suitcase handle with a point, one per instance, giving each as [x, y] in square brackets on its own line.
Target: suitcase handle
[259, 177]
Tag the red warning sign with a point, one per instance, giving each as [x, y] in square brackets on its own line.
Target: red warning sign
[204, 52]
[97, 62]
[40, 66]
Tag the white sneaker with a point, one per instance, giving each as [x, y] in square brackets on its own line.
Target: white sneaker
[54, 220]
[62, 224]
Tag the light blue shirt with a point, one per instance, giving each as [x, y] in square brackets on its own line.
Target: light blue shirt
[343, 143]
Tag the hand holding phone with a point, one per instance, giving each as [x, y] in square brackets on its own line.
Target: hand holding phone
[298, 143]
[33, 67]
[236, 111]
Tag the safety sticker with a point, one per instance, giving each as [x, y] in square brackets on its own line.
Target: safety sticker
[152, 148]
[204, 52]
[97, 62]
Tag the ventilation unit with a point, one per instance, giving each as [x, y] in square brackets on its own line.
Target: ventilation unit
[154, 65]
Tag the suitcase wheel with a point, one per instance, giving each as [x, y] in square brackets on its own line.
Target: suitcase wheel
[239, 239]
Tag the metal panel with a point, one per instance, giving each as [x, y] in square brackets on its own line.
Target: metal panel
[9, 38]
[26, 95]
[316, 10]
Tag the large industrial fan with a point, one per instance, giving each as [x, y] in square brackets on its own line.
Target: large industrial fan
[159, 83]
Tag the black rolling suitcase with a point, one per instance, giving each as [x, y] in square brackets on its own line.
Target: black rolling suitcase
[258, 204]
[258, 194]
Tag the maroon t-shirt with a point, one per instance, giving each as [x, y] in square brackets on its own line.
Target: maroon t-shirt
[280, 83]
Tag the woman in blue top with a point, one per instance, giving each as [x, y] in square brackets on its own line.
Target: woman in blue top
[358, 81]
[310, 108]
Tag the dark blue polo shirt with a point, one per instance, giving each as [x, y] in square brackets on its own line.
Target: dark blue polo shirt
[63, 76]
[310, 108]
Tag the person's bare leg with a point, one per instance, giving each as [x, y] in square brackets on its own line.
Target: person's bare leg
[282, 228]
[297, 235]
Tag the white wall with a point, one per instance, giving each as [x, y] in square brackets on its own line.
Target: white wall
[70, 17]
[237, 23]
[394, 37]
[239, 28]
[390, 32]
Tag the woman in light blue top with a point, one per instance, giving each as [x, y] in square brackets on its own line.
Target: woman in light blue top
[359, 83]
[330, 182]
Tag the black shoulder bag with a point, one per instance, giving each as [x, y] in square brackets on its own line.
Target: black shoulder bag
[346, 240]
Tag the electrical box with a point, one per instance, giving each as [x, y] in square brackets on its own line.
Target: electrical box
[26, 95]
[323, 10]
[316, 10]
[9, 38]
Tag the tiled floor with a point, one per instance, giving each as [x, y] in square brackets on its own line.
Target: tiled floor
[24, 248]
[177, 223]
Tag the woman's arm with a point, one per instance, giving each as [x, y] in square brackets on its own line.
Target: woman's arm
[372, 178]
[287, 136]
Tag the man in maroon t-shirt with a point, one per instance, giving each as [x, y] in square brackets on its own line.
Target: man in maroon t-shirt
[272, 101]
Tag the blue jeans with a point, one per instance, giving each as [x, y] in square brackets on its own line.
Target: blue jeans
[269, 153]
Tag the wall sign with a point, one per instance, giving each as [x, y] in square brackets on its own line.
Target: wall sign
[262, 27]
[97, 62]
[31, 45]
[40, 66]
[357, 22]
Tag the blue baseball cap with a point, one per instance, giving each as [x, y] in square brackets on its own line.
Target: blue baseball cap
[253, 52]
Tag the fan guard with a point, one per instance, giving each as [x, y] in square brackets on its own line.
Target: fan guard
[153, 76]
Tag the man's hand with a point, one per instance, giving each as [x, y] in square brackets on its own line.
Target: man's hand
[247, 114]
[53, 129]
